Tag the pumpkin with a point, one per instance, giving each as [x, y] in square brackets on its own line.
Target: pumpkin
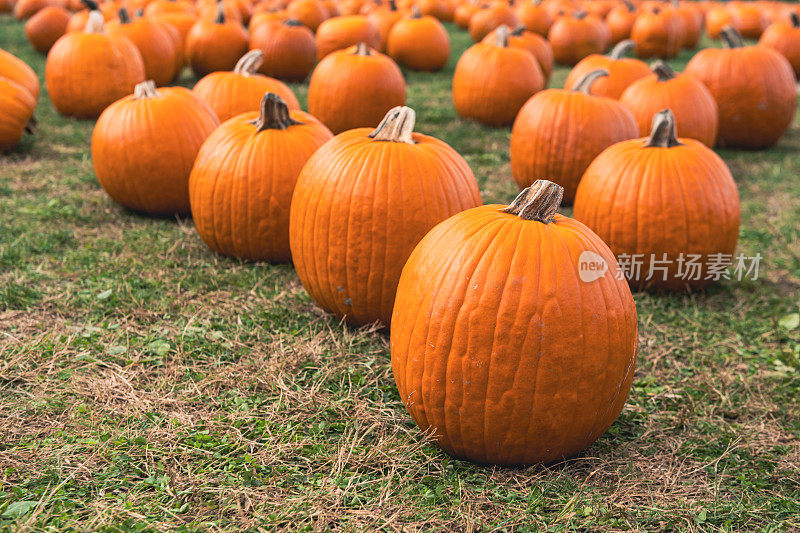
[45, 27]
[230, 10]
[499, 349]
[346, 31]
[162, 58]
[622, 71]
[669, 204]
[384, 18]
[537, 45]
[620, 21]
[419, 43]
[754, 87]
[87, 71]
[290, 50]
[784, 37]
[144, 145]
[492, 81]
[242, 181]
[7, 6]
[362, 203]
[240, 91]
[310, 12]
[689, 100]
[658, 33]
[576, 36]
[181, 17]
[215, 45]
[24, 9]
[752, 20]
[719, 18]
[16, 70]
[558, 132]
[463, 13]
[533, 16]
[355, 87]
[692, 17]
[492, 17]
[17, 105]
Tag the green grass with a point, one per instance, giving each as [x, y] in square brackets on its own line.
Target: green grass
[146, 383]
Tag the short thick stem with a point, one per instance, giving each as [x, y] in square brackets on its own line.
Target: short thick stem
[539, 202]
[663, 71]
[584, 85]
[274, 114]
[95, 22]
[502, 36]
[629, 5]
[124, 16]
[732, 37]
[146, 89]
[664, 132]
[621, 49]
[220, 17]
[795, 18]
[580, 15]
[91, 5]
[362, 49]
[519, 30]
[249, 63]
[396, 126]
[415, 12]
[292, 22]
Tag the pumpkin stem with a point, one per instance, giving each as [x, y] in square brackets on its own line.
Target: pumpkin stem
[95, 22]
[220, 18]
[415, 12]
[732, 37]
[539, 202]
[795, 19]
[91, 5]
[501, 38]
[249, 63]
[629, 5]
[580, 15]
[519, 30]
[584, 85]
[622, 48]
[124, 16]
[146, 89]
[664, 133]
[362, 49]
[663, 71]
[392, 5]
[274, 114]
[396, 126]
[292, 22]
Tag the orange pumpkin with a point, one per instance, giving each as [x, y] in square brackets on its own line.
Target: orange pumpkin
[784, 37]
[361, 204]
[491, 17]
[492, 81]
[24, 9]
[45, 27]
[620, 21]
[558, 132]
[88, 71]
[215, 45]
[182, 17]
[533, 16]
[692, 17]
[7, 6]
[240, 91]
[718, 19]
[622, 71]
[162, 58]
[669, 204]
[16, 70]
[17, 105]
[754, 87]
[500, 350]
[310, 12]
[243, 179]
[384, 18]
[576, 36]
[752, 20]
[354, 87]
[419, 43]
[463, 13]
[144, 145]
[689, 100]
[534, 43]
[290, 50]
[346, 31]
[658, 33]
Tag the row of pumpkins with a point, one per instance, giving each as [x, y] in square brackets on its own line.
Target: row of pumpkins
[498, 344]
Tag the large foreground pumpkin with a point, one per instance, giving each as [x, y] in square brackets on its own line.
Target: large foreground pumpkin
[499, 347]
[243, 179]
[361, 204]
[670, 205]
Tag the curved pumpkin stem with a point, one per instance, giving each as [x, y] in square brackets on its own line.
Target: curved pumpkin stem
[621, 49]
[502, 35]
[146, 89]
[584, 85]
[292, 22]
[519, 30]
[664, 132]
[95, 22]
[124, 16]
[220, 17]
[415, 12]
[732, 37]
[396, 126]
[362, 49]
[392, 5]
[663, 71]
[274, 114]
[249, 63]
[539, 202]
[629, 5]
[795, 18]
[580, 15]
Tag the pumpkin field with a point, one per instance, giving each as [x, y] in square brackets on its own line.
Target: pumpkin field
[205, 353]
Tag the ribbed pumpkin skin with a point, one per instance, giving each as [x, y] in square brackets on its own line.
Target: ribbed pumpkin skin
[359, 208]
[658, 34]
[349, 90]
[694, 107]
[230, 93]
[143, 149]
[16, 70]
[338, 33]
[622, 73]
[533, 43]
[783, 37]
[655, 200]
[242, 183]
[45, 27]
[491, 83]
[755, 90]
[212, 47]
[87, 72]
[574, 39]
[290, 52]
[419, 44]
[557, 134]
[501, 349]
[16, 109]
[157, 46]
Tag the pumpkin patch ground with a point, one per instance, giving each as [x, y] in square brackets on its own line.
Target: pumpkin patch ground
[148, 383]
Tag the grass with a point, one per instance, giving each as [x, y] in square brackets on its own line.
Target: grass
[147, 384]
